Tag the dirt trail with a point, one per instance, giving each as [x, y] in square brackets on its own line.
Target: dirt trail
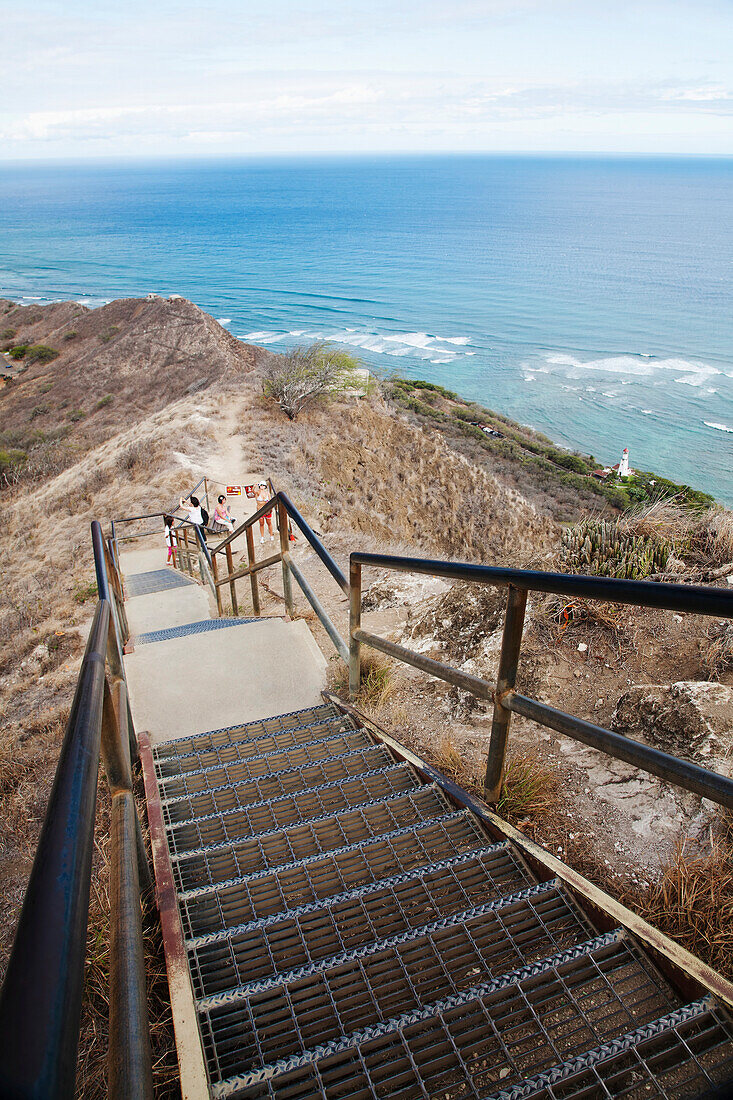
[231, 460]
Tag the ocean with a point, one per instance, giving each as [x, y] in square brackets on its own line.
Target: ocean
[589, 297]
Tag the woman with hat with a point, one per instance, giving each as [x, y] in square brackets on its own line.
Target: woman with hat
[262, 496]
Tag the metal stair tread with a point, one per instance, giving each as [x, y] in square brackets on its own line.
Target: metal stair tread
[493, 937]
[452, 833]
[542, 1013]
[441, 886]
[350, 934]
[317, 836]
[302, 739]
[695, 1040]
[252, 819]
[279, 723]
[153, 580]
[183, 807]
[203, 626]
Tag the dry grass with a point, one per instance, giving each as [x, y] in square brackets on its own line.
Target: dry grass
[448, 759]
[377, 684]
[91, 1083]
[558, 616]
[530, 789]
[663, 519]
[716, 650]
[435, 499]
[711, 540]
[692, 902]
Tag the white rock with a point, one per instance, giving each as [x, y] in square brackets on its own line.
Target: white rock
[582, 647]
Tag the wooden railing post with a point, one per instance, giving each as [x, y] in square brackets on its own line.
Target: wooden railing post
[253, 580]
[215, 570]
[232, 584]
[511, 644]
[282, 521]
[354, 625]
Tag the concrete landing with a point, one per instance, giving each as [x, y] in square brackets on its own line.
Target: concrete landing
[161, 608]
[207, 681]
[174, 607]
[144, 558]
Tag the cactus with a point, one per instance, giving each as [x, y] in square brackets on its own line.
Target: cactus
[602, 548]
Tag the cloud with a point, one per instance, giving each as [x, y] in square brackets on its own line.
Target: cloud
[362, 102]
[453, 73]
[706, 94]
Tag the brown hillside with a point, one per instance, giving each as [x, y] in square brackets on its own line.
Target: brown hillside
[397, 483]
[116, 364]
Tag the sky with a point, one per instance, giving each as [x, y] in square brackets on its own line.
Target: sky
[236, 78]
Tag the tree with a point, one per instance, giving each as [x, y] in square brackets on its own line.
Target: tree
[306, 374]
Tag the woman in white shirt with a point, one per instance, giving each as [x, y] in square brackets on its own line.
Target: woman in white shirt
[193, 507]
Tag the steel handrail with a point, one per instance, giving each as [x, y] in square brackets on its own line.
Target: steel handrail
[40, 1001]
[314, 541]
[699, 599]
[41, 997]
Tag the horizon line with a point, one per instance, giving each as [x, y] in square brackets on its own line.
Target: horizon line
[559, 154]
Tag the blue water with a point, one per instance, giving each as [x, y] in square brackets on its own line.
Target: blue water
[588, 297]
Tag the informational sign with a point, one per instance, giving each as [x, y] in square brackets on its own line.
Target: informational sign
[234, 490]
[250, 491]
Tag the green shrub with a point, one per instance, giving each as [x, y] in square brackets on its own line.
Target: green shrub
[570, 462]
[8, 333]
[418, 384]
[11, 465]
[40, 353]
[307, 374]
[109, 334]
[104, 401]
[85, 592]
[75, 415]
[603, 548]
[70, 335]
[18, 352]
[38, 410]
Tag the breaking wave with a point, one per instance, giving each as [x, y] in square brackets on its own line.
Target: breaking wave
[690, 372]
[416, 345]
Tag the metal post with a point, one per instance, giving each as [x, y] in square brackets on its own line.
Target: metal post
[282, 516]
[217, 590]
[117, 766]
[129, 1061]
[354, 624]
[232, 584]
[117, 672]
[511, 644]
[253, 579]
[119, 599]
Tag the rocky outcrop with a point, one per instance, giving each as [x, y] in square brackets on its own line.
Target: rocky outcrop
[692, 719]
[460, 622]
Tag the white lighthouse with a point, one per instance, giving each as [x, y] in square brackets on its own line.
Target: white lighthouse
[623, 466]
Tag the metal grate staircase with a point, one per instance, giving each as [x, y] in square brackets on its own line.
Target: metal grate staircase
[350, 933]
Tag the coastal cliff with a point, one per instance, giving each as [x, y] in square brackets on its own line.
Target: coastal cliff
[145, 396]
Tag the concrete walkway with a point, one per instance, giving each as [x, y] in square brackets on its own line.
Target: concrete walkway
[205, 674]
